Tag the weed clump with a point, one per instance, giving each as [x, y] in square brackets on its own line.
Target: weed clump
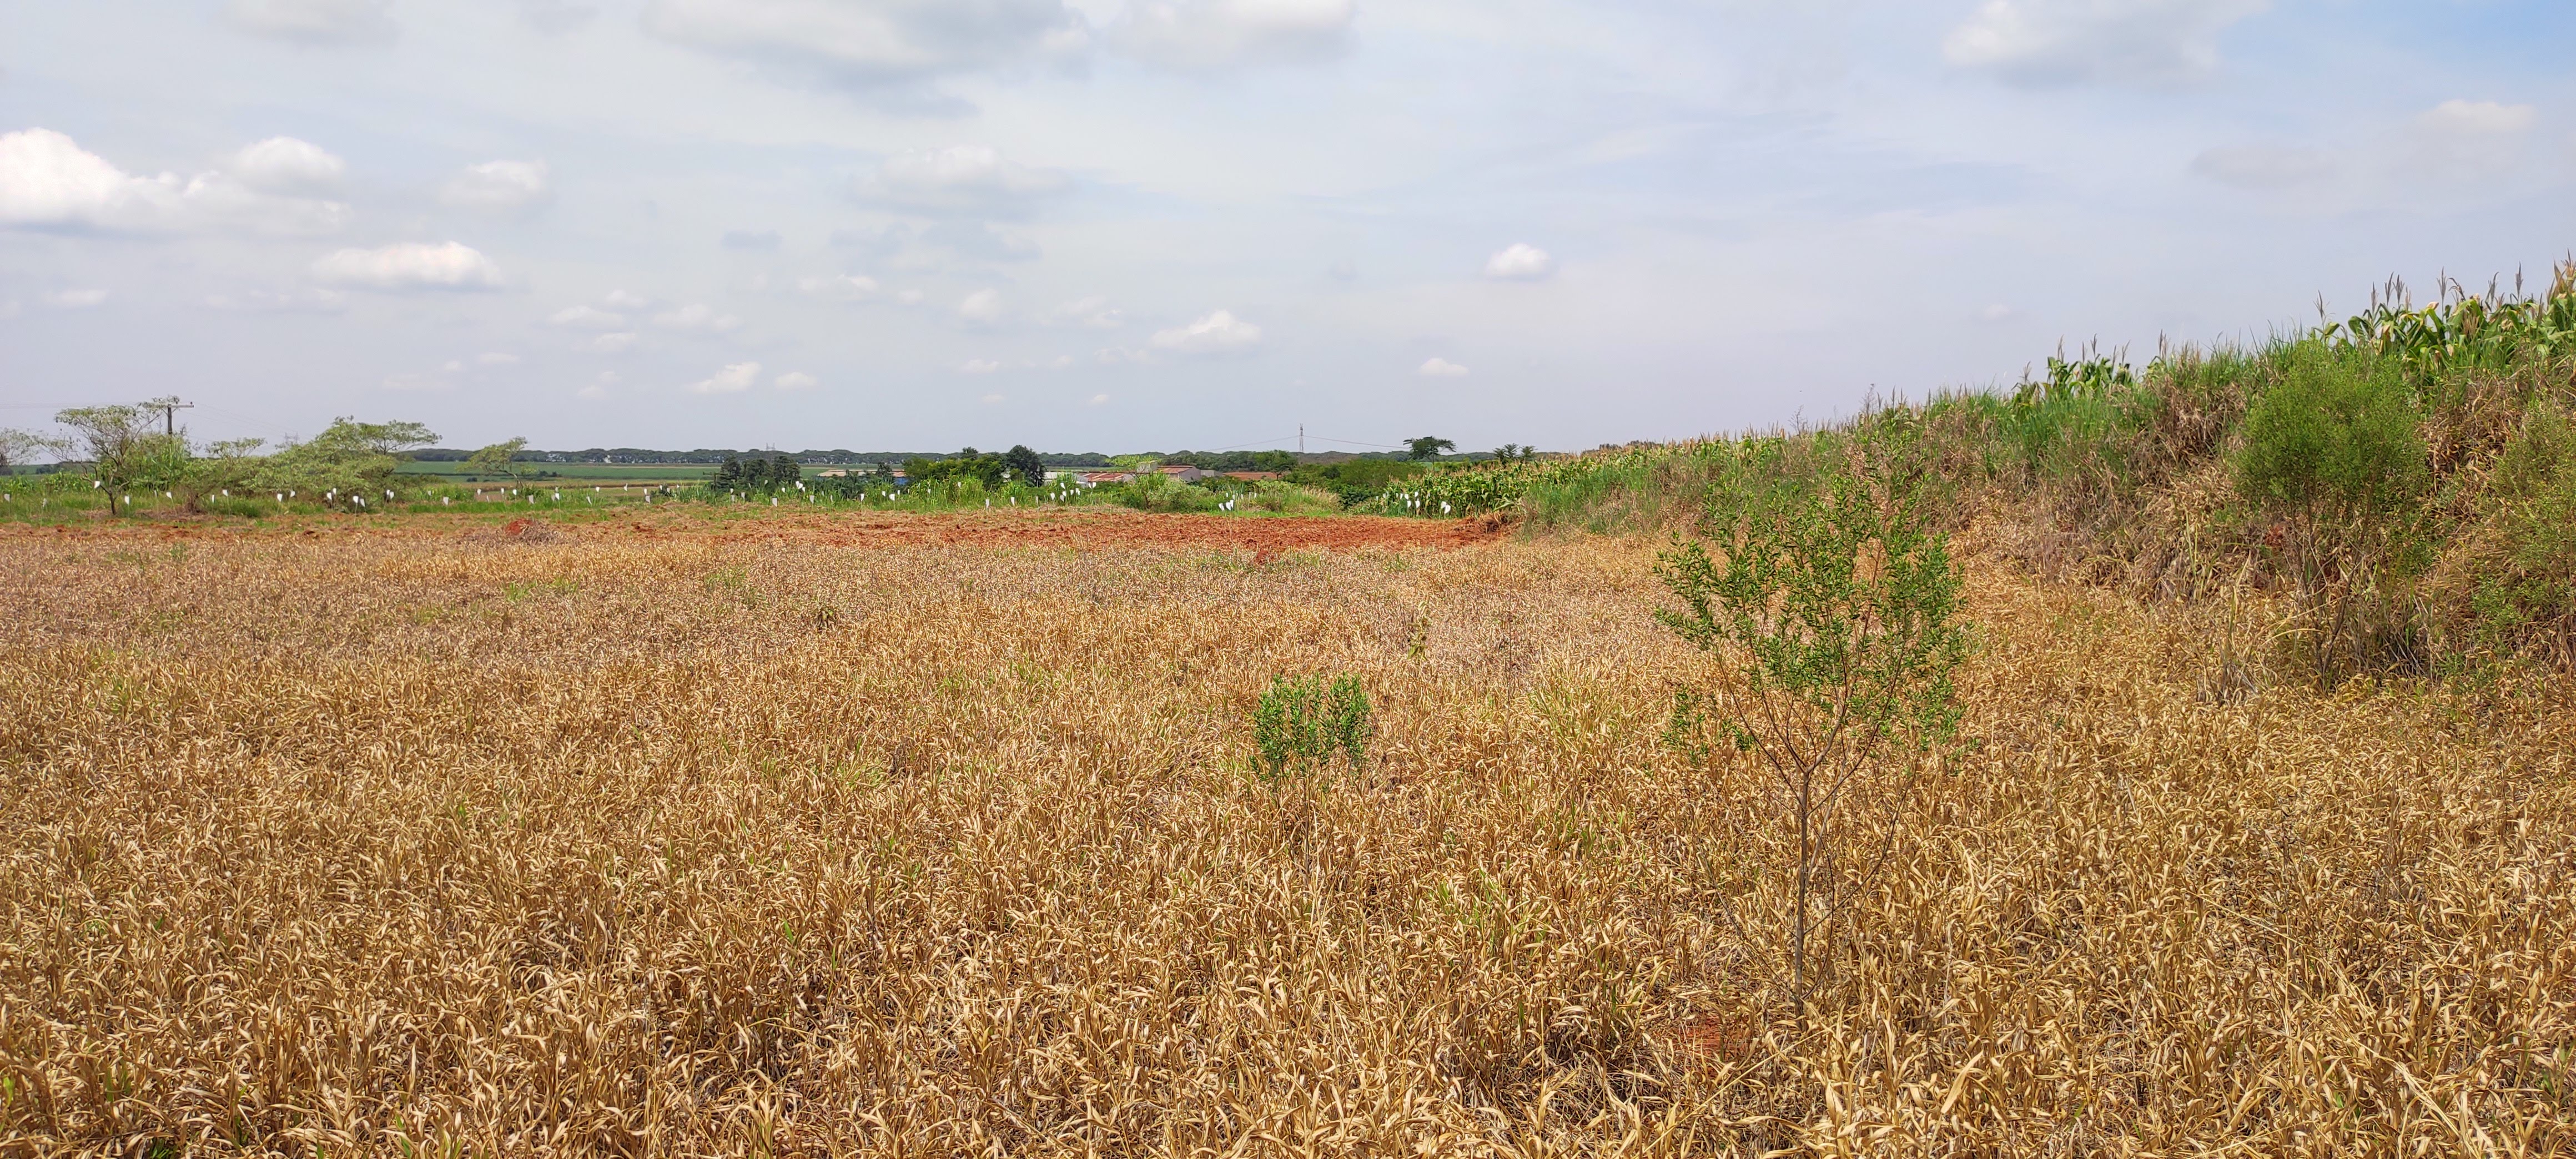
[1300, 723]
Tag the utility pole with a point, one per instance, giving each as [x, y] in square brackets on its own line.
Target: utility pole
[169, 408]
[1301, 438]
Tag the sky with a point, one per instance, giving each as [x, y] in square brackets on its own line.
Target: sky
[1122, 225]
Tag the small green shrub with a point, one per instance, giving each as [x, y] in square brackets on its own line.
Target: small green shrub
[1832, 616]
[1162, 493]
[1300, 723]
[2335, 451]
[2528, 589]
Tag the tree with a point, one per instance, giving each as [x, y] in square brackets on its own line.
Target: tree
[785, 471]
[1513, 452]
[970, 463]
[728, 475]
[498, 459]
[127, 449]
[1024, 464]
[393, 438]
[18, 447]
[1830, 618]
[349, 459]
[1428, 447]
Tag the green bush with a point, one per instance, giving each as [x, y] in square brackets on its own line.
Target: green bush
[1832, 616]
[1300, 723]
[1162, 493]
[2335, 452]
[2337, 440]
[2529, 585]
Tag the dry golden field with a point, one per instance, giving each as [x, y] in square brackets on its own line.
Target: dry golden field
[433, 840]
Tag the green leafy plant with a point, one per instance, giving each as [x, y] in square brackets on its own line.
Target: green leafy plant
[498, 459]
[129, 447]
[2335, 452]
[1300, 723]
[1832, 619]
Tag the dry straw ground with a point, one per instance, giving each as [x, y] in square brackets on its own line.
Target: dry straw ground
[598, 842]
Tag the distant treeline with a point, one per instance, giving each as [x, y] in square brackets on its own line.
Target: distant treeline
[643, 456]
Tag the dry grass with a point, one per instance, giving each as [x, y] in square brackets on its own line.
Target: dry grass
[440, 845]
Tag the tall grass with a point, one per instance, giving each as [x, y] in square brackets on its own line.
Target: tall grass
[713, 844]
[2133, 476]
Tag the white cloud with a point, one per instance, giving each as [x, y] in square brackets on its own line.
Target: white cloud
[76, 299]
[218, 199]
[555, 17]
[1441, 368]
[2050, 42]
[410, 266]
[909, 297]
[733, 379]
[289, 166]
[2461, 118]
[587, 318]
[1997, 312]
[983, 239]
[871, 43]
[841, 287]
[1094, 313]
[1062, 362]
[415, 382]
[1520, 263]
[970, 180]
[613, 343]
[497, 358]
[1199, 34]
[2263, 166]
[48, 180]
[981, 308]
[312, 21]
[979, 366]
[696, 316]
[621, 300]
[311, 301]
[498, 186]
[992, 400]
[1218, 333]
[598, 388]
[2461, 138]
[1098, 400]
[795, 380]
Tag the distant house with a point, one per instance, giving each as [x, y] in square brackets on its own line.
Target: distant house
[1097, 478]
[1181, 474]
[1252, 476]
